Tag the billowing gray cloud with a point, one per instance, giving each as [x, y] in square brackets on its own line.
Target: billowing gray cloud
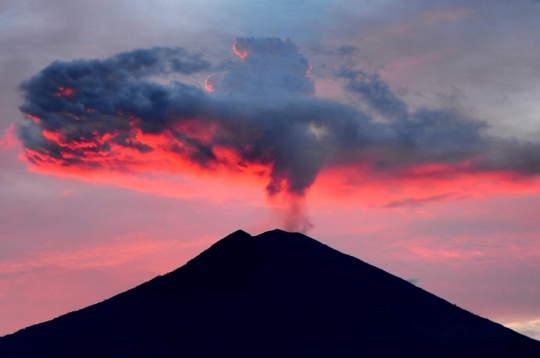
[270, 67]
[99, 113]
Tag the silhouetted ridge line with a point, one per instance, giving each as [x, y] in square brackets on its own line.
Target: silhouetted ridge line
[277, 294]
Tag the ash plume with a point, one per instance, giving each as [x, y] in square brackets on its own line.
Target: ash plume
[114, 114]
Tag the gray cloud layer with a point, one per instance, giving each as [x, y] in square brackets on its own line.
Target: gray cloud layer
[262, 108]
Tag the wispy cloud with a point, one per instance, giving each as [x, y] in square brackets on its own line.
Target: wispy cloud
[415, 202]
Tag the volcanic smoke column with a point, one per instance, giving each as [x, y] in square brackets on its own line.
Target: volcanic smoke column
[108, 114]
[259, 117]
[272, 79]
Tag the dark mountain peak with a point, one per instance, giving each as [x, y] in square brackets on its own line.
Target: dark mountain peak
[271, 242]
[268, 256]
[274, 294]
[237, 233]
[237, 239]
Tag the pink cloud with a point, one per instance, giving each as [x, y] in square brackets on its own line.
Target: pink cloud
[400, 69]
[428, 18]
[432, 17]
[328, 88]
[9, 140]
[430, 250]
[122, 251]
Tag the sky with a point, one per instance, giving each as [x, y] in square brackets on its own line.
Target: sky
[135, 134]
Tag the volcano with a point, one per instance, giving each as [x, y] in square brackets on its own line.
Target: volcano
[277, 294]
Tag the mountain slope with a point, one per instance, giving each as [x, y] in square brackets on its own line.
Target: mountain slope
[276, 294]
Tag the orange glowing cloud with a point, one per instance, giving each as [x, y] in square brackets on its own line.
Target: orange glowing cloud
[65, 92]
[9, 140]
[209, 87]
[241, 54]
[354, 187]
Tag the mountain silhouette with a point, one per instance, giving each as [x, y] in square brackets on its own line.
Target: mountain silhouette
[277, 294]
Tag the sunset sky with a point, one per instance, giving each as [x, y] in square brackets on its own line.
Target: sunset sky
[135, 134]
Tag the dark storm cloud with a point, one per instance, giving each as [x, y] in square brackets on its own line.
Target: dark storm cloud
[262, 109]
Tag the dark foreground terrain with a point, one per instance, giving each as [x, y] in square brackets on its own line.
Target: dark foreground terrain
[274, 295]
